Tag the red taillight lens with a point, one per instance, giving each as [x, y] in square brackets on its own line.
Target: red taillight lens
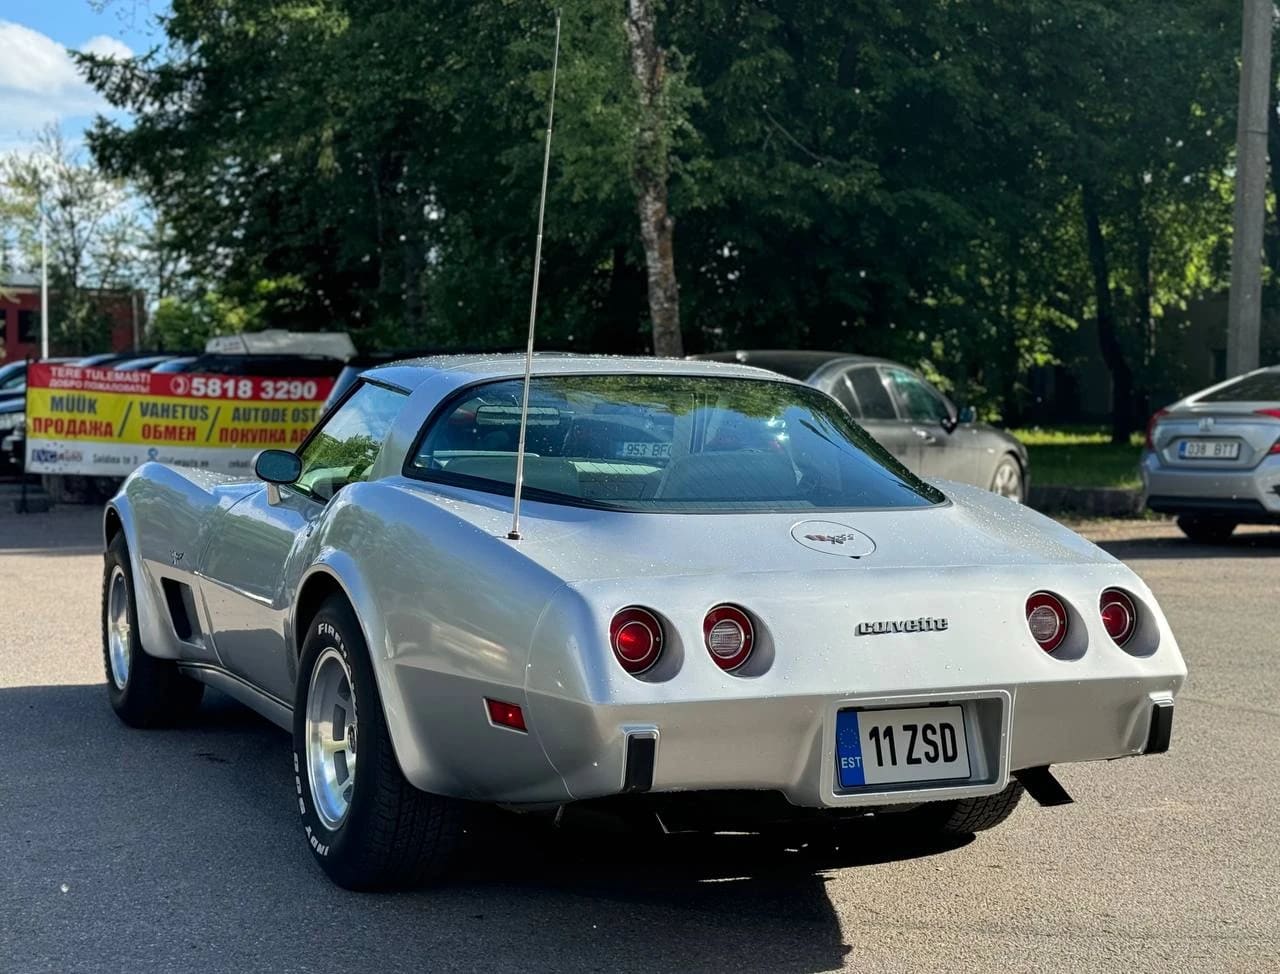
[505, 714]
[1151, 426]
[729, 635]
[636, 636]
[1273, 414]
[1119, 615]
[1047, 620]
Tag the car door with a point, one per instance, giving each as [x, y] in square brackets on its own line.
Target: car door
[878, 415]
[930, 420]
[252, 568]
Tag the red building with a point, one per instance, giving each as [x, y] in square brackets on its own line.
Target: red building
[20, 317]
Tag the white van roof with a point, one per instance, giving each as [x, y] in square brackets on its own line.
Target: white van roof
[277, 341]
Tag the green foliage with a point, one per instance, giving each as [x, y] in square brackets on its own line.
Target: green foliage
[1081, 457]
[855, 176]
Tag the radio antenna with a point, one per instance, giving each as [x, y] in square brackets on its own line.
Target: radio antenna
[514, 533]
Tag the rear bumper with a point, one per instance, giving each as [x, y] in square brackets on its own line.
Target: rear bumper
[1248, 496]
[788, 744]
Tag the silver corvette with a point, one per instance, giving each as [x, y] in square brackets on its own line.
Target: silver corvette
[725, 604]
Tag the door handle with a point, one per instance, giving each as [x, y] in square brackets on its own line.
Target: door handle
[926, 435]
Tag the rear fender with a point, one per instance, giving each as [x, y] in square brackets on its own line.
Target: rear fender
[443, 633]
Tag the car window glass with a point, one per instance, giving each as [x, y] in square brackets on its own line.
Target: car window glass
[920, 403]
[343, 450]
[679, 444]
[873, 397]
[845, 397]
[1259, 387]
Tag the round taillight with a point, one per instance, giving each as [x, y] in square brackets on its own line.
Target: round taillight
[1047, 620]
[1119, 616]
[636, 637]
[729, 636]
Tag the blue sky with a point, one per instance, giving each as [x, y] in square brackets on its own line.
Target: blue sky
[38, 83]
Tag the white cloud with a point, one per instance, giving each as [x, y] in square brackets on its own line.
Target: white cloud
[104, 45]
[39, 82]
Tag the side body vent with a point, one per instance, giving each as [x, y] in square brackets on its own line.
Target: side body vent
[182, 609]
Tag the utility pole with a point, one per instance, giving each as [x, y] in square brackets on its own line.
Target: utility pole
[44, 282]
[1244, 308]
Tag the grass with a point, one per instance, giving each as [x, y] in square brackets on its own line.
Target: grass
[1081, 456]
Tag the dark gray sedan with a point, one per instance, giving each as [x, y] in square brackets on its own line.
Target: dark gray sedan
[909, 417]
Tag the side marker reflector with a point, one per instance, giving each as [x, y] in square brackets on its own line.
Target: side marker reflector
[505, 715]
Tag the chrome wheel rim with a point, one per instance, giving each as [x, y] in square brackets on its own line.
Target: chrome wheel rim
[1008, 482]
[118, 628]
[331, 738]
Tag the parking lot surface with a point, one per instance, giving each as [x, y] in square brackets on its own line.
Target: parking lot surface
[180, 850]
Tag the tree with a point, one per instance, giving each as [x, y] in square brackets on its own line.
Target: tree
[957, 185]
[652, 170]
[92, 232]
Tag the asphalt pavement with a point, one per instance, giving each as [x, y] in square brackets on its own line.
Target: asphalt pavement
[180, 850]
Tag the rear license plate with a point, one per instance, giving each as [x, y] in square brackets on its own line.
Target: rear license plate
[1209, 449]
[880, 747]
[643, 450]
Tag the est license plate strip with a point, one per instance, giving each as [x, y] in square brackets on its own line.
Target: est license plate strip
[1204, 449]
[912, 744]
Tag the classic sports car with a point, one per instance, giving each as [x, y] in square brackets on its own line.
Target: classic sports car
[726, 604]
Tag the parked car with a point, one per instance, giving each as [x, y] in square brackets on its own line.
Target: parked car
[269, 365]
[13, 418]
[13, 378]
[1213, 458]
[724, 602]
[907, 416]
[144, 363]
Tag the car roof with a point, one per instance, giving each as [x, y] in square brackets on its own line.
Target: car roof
[796, 362]
[465, 369]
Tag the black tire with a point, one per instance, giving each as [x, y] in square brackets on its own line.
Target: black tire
[154, 693]
[392, 835]
[1206, 529]
[965, 816]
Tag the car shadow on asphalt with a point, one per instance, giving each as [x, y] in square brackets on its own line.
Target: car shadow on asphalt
[63, 531]
[1250, 544]
[186, 842]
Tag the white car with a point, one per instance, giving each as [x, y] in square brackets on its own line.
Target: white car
[1213, 458]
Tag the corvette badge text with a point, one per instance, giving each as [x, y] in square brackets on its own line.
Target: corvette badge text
[923, 624]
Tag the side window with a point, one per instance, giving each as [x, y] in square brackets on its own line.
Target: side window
[920, 403]
[872, 395]
[843, 394]
[343, 450]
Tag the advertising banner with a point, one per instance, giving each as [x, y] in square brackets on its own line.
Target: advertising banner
[104, 422]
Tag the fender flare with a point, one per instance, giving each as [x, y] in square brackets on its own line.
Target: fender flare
[153, 637]
[340, 569]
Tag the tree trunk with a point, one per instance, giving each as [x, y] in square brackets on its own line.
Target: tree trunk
[1271, 240]
[1108, 336]
[657, 229]
[1146, 325]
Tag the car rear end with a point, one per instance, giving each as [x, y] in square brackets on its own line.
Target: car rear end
[1214, 458]
[854, 689]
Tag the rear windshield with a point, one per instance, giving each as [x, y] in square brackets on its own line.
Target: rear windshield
[1258, 387]
[667, 443]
